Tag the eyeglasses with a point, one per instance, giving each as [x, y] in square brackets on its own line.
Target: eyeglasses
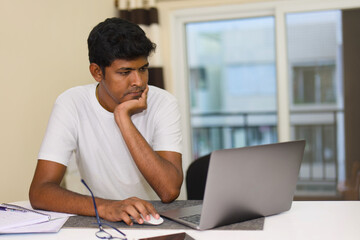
[102, 233]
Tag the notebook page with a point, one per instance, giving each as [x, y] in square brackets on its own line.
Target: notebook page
[11, 219]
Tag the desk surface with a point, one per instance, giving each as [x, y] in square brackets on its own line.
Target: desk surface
[305, 220]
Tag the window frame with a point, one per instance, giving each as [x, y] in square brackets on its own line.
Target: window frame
[176, 67]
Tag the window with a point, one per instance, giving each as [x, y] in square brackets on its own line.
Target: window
[302, 80]
[314, 84]
[232, 79]
[314, 59]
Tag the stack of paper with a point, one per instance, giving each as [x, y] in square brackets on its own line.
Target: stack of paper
[13, 219]
[30, 221]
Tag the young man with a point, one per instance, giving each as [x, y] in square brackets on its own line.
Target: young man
[125, 134]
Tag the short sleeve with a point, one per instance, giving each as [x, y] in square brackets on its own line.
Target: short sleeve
[168, 136]
[60, 137]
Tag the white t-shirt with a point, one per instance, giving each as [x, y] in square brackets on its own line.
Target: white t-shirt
[79, 124]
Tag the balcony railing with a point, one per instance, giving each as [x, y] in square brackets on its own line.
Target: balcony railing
[319, 170]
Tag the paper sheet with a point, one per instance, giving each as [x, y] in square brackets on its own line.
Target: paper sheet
[12, 219]
[45, 227]
[54, 225]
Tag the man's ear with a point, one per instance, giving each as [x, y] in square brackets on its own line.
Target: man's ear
[96, 72]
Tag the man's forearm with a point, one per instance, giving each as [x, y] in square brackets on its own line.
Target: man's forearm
[164, 175]
[50, 196]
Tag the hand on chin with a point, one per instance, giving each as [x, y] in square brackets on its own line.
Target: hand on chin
[133, 103]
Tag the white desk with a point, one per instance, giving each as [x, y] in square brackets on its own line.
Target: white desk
[305, 220]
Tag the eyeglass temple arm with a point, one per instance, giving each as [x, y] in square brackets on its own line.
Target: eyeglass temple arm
[93, 198]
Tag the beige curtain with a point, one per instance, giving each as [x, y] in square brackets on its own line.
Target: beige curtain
[144, 13]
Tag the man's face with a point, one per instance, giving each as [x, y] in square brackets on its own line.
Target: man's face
[126, 79]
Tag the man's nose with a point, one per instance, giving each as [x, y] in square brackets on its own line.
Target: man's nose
[136, 79]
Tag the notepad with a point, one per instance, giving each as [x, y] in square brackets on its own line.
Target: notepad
[13, 219]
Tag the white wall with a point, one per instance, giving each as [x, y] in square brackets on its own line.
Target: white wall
[43, 52]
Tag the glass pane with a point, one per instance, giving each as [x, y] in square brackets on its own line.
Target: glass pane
[232, 79]
[314, 60]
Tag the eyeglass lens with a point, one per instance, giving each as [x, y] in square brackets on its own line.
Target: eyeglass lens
[103, 235]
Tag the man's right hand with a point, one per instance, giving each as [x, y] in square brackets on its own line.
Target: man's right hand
[123, 210]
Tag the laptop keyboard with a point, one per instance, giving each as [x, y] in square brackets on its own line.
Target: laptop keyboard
[192, 218]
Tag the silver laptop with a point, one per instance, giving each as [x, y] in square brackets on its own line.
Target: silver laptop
[245, 183]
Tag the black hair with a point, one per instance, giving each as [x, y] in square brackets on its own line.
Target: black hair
[116, 38]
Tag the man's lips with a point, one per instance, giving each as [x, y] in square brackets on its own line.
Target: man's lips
[135, 94]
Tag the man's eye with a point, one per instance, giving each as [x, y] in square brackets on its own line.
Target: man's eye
[143, 69]
[124, 73]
